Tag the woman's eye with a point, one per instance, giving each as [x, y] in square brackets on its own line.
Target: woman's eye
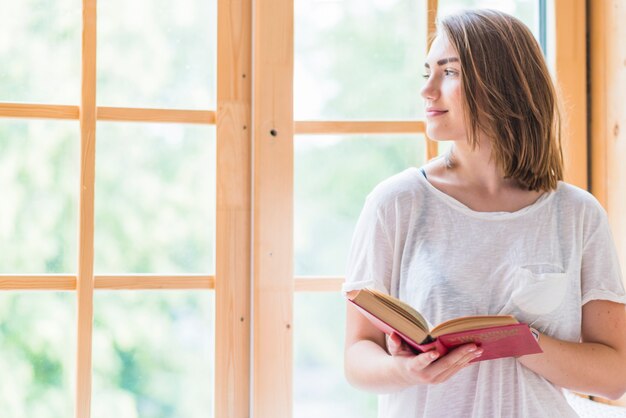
[426, 76]
[449, 72]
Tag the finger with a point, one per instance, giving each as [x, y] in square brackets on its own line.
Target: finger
[392, 343]
[451, 359]
[458, 366]
[396, 346]
[423, 360]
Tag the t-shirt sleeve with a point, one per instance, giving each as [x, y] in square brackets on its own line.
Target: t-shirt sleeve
[370, 260]
[600, 270]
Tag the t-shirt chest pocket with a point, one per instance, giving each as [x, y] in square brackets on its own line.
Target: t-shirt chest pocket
[539, 288]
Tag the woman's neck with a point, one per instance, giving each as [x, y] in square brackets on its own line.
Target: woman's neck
[476, 169]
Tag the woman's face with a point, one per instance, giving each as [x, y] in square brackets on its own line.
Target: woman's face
[443, 93]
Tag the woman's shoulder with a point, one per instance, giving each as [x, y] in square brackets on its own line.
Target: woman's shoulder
[579, 199]
[401, 187]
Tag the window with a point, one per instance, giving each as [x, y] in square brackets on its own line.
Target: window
[109, 208]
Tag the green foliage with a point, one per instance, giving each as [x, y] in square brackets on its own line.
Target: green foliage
[40, 51]
[37, 358]
[154, 352]
[332, 178]
[155, 194]
[359, 61]
[157, 53]
[319, 386]
[38, 168]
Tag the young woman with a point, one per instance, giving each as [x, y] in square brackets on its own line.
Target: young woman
[490, 228]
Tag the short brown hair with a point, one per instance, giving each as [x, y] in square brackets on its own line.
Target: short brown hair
[509, 95]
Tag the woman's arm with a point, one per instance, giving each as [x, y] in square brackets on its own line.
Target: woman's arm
[597, 366]
[368, 365]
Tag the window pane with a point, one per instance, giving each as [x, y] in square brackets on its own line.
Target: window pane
[444, 146]
[155, 198]
[525, 10]
[39, 165]
[359, 60]
[157, 53]
[37, 354]
[40, 44]
[153, 354]
[320, 388]
[333, 175]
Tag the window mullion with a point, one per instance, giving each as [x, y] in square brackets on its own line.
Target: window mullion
[233, 223]
[85, 280]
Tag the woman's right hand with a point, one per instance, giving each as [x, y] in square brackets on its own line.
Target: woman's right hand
[428, 368]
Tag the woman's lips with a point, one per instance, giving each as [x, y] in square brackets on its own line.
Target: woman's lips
[432, 113]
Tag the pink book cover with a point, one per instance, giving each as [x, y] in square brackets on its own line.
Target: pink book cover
[497, 342]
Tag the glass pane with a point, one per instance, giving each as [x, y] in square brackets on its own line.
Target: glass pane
[155, 198]
[37, 354]
[40, 46]
[157, 53]
[153, 354]
[359, 60]
[39, 171]
[444, 146]
[333, 175]
[525, 10]
[320, 388]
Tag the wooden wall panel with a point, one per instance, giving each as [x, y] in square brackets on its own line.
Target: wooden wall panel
[608, 114]
[570, 64]
[273, 209]
[608, 117]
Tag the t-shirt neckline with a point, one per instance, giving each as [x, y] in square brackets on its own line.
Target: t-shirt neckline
[457, 205]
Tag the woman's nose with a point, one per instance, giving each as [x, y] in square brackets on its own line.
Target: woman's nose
[429, 90]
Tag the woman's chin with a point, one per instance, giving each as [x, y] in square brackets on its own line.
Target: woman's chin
[438, 135]
[435, 135]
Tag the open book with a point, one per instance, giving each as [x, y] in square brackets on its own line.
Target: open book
[498, 335]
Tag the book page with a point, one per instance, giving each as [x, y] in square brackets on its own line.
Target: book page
[472, 322]
[402, 308]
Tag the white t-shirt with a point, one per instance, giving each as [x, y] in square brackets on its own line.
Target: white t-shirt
[541, 264]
